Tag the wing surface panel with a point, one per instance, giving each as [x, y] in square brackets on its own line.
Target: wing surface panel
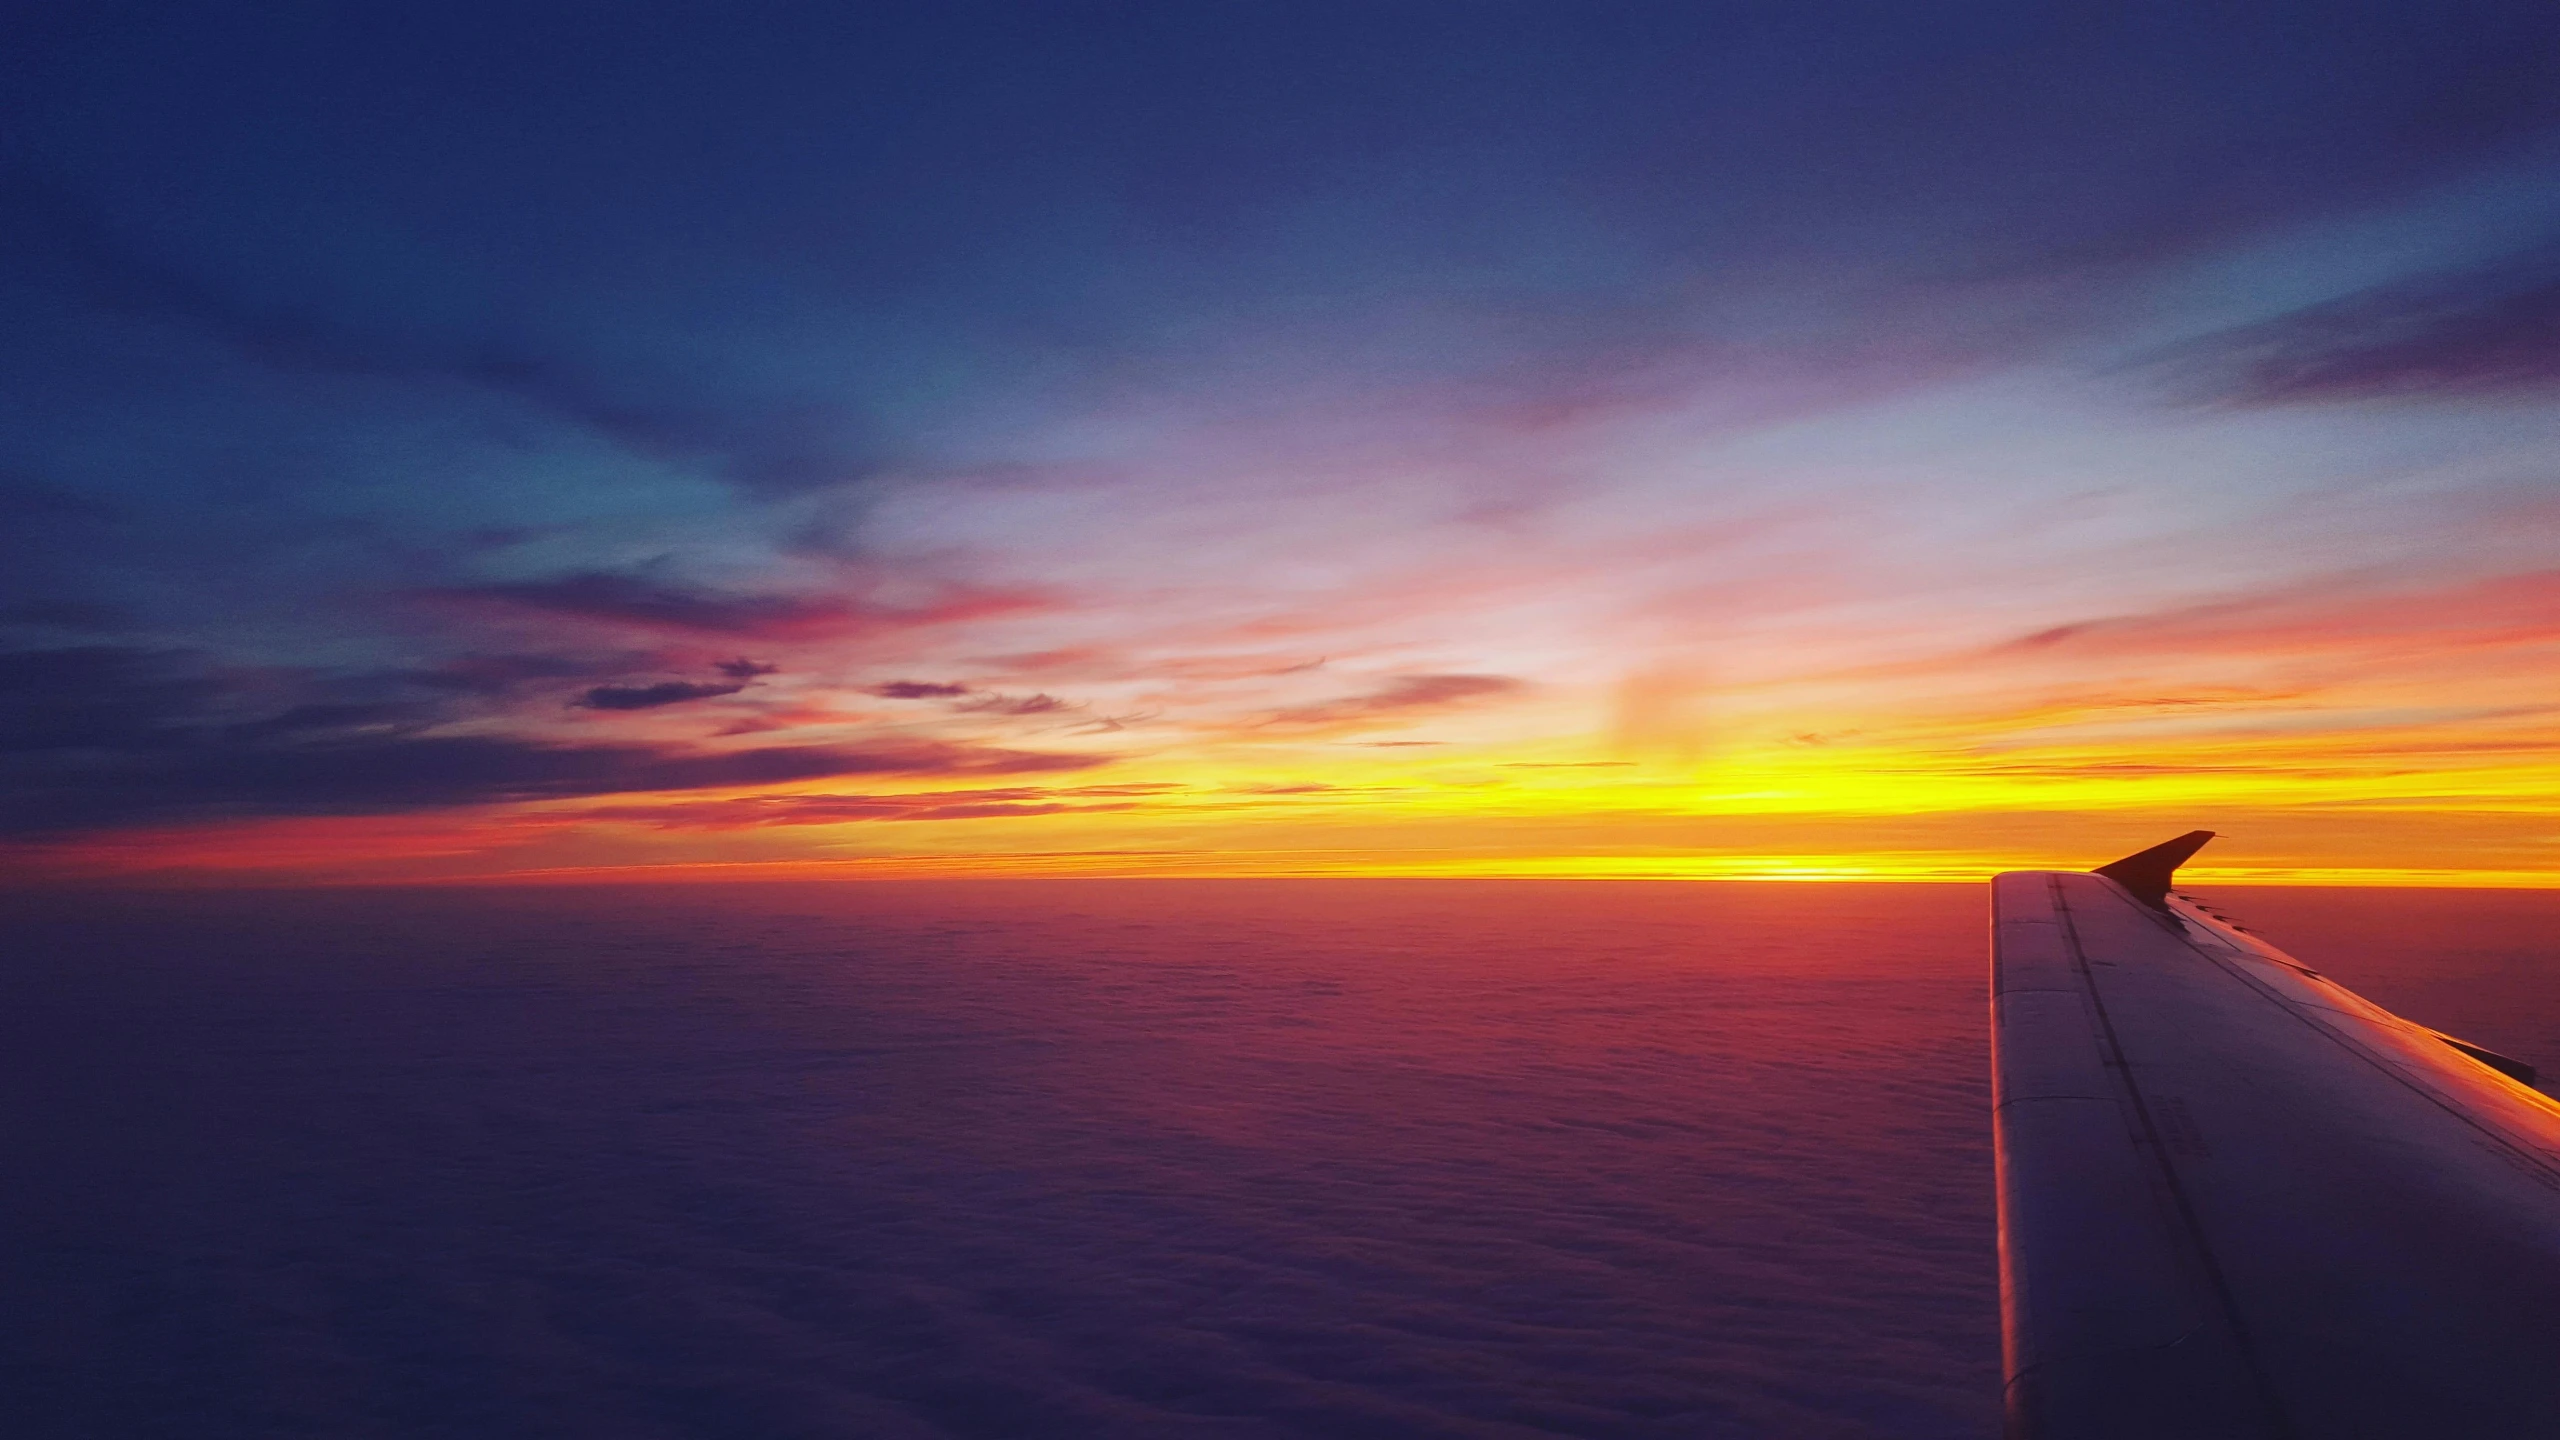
[2238, 1199]
[2108, 1305]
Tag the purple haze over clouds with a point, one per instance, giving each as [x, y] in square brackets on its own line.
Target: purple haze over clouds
[1293, 1158]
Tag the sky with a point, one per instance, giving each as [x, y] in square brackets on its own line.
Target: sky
[622, 441]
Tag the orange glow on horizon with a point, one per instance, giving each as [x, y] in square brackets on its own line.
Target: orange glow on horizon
[2406, 743]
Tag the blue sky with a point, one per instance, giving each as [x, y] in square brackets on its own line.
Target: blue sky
[381, 389]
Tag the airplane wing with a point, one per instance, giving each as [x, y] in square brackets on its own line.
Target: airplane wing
[2237, 1199]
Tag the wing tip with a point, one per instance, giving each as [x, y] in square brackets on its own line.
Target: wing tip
[2147, 874]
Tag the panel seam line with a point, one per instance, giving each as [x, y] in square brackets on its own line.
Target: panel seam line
[2214, 1277]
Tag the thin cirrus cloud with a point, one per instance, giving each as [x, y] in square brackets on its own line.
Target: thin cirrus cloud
[49, 226]
[101, 736]
[970, 700]
[374, 775]
[2521, 610]
[629, 601]
[1040, 704]
[917, 690]
[652, 697]
[2484, 330]
[741, 673]
[754, 812]
[505, 673]
[1404, 696]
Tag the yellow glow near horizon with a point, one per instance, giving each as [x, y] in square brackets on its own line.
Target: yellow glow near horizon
[1984, 763]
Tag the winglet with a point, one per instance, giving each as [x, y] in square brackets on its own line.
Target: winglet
[2145, 874]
